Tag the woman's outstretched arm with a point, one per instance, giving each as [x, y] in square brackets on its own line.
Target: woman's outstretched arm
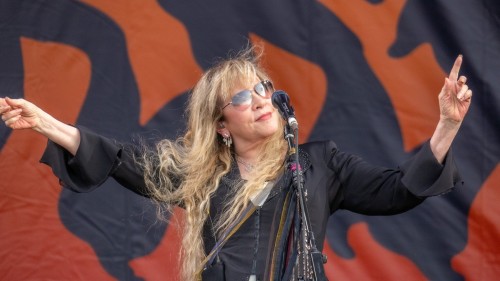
[21, 114]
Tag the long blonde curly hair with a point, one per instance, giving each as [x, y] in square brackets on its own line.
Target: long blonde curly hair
[187, 172]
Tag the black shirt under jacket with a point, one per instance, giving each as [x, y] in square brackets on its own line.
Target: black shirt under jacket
[333, 180]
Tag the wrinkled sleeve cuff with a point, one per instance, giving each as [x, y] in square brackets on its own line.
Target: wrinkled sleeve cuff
[424, 176]
[95, 160]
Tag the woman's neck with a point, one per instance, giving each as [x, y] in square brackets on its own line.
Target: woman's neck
[246, 161]
[248, 153]
[248, 166]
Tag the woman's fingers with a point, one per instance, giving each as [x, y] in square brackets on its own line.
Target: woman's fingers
[14, 103]
[17, 113]
[461, 81]
[461, 94]
[10, 122]
[467, 96]
[4, 108]
[11, 114]
[464, 93]
[456, 69]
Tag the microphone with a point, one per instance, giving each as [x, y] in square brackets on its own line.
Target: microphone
[281, 101]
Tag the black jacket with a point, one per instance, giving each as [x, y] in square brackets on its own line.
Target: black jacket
[333, 180]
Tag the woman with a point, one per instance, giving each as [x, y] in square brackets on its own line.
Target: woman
[234, 152]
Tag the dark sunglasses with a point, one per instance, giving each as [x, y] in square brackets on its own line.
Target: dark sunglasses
[243, 99]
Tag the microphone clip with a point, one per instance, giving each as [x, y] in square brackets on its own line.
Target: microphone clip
[281, 101]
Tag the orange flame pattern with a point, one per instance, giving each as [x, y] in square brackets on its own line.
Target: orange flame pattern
[412, 91]
[159, 49]
[480, 258]
[373, 258]
[29, 203]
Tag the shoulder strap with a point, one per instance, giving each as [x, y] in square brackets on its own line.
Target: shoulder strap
[256, 201]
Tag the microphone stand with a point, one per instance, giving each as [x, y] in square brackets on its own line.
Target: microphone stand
[308, 241]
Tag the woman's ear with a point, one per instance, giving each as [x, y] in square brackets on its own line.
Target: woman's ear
[221, 129]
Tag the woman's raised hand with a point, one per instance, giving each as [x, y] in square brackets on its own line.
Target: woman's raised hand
[19, 113]
[455, 96]
[454, 102]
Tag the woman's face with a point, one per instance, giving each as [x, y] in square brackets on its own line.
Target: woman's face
[249, 122]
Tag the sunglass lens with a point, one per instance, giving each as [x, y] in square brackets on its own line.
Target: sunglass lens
[268, 85]
[260, 89]
[242, 99]
[264, 88]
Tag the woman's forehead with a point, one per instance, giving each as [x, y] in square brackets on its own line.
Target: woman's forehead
[247, 82]
[241, 83]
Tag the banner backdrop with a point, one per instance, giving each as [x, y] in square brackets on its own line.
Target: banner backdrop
[363, 73]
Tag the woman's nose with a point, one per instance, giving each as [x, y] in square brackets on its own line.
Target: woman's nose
[258, 101]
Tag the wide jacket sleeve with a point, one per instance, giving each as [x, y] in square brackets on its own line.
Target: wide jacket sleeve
[97, 159]
[374, 190]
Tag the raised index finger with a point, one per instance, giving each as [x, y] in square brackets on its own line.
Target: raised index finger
[455, 69]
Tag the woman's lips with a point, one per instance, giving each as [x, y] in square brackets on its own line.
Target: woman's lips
[265, 116]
